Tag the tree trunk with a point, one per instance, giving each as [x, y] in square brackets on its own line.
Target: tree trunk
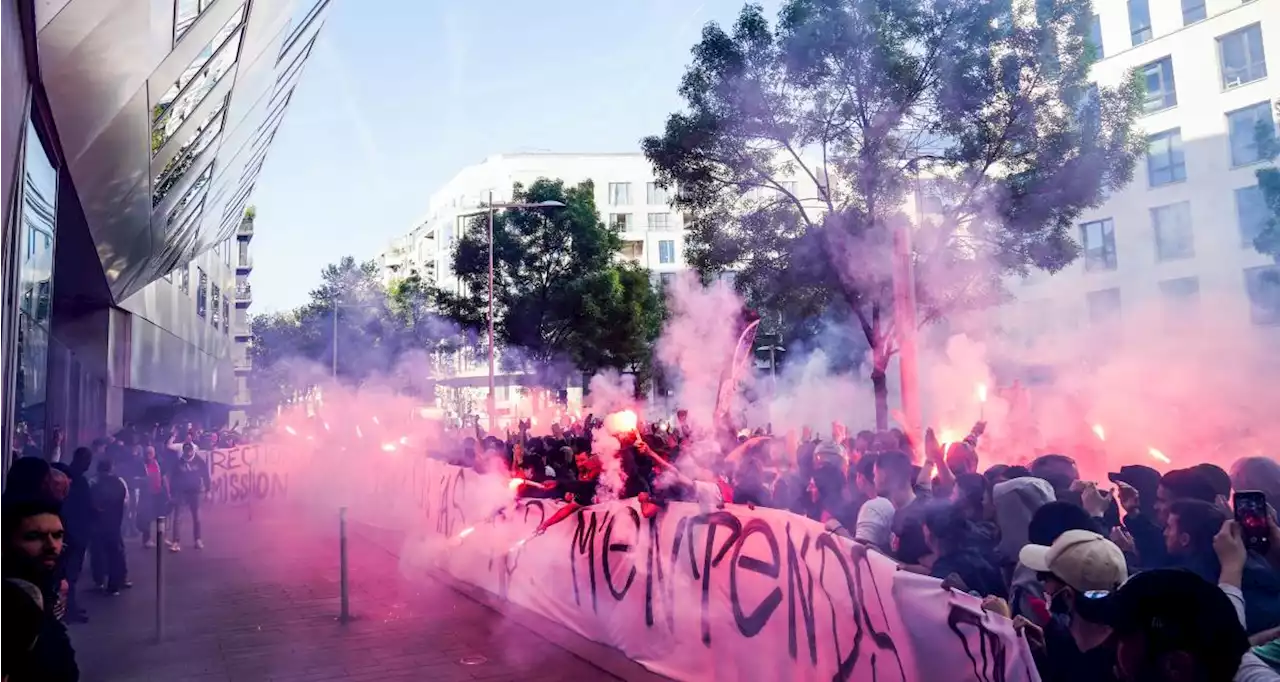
[880, 386]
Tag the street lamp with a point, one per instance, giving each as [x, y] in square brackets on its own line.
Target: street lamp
[491, 403]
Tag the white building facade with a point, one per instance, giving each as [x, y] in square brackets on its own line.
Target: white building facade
[1183, 229]
[626, 195]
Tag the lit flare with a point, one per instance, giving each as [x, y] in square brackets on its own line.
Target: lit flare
[1099, 432]
[290, 430]
[621, 422]
[388, 447]
[1159, 456]
[981, 390]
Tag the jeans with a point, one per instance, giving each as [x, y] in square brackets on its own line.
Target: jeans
[191, 501]
[108, 558]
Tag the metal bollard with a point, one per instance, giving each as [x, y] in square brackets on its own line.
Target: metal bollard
[345, 615]
[160, 523]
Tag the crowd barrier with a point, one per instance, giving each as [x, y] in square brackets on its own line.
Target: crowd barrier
[694, 593]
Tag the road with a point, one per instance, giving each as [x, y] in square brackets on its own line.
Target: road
[260, 603]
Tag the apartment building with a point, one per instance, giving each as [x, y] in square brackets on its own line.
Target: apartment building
[1183, 229]
[626, 196]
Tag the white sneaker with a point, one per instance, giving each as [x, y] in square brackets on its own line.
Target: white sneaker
[199, 544]
[148, 543]
[175, 547]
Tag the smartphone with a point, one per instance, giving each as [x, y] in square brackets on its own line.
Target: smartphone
[1251, 514]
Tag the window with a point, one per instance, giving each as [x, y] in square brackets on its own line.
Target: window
[184, 279]
[226, 315]
[620, 221]
[790, 187]
[1251, 214]
[619, 193]
[655, 195]
[1103, 305]
[633, 249]
[244, 254]
[216, 308]
[1162, 93]
[1241, 56]
[1244, 126]
[1192, 11]
[185, 94]
[1165, 161]
[226, 253]
[1175, 239]
[1095, 37]
[659, 221]
[666, 251]
[667, 278]
[185, 13]
[204, 136]
[1139, 21]
[202, 292]
[1099, 241]
[1263, 285]
[1182, 289]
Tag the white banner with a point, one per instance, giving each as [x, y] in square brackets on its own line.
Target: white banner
[695, 593]
[246, 474]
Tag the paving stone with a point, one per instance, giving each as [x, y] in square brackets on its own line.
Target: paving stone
[261, 603]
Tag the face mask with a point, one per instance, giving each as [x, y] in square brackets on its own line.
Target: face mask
[1058, 604]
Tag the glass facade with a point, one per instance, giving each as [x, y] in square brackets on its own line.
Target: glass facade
[38, 227]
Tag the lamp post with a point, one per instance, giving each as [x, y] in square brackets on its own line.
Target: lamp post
[491, 402]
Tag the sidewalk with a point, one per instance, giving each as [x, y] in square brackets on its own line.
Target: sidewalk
[260, 603]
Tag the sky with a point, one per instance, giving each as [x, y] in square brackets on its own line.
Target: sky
[400, 95]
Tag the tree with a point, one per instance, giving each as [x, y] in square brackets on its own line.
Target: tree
[557, 293]
[867, 103]
[1268, 241]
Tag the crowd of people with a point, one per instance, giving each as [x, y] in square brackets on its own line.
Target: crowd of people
[60, 515]
[1143, 577]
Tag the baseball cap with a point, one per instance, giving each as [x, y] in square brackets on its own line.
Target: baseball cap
[1080, 558]
[1177, 610]
[1144, 479]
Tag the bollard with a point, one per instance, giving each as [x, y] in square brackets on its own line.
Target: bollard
[160, 578]
[345, 615]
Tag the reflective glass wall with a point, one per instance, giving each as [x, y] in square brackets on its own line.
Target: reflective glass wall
[37, 231]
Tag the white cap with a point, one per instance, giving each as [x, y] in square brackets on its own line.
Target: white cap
[1080, 558]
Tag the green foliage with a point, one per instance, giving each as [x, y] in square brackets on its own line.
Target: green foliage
[374, 329]
[867, 104]
[1268, 241]
[557, 293]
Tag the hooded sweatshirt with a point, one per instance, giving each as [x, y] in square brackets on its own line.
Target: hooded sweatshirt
[1016, 501]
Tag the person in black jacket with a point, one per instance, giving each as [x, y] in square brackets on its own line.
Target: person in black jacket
[33, 545]
[188, 481]
[77, 519]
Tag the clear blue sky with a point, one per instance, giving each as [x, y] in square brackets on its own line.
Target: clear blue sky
[401, 94]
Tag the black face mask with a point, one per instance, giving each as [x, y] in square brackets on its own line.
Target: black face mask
[1058, 604]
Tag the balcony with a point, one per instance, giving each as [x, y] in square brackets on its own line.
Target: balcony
[245, 229]
[244, 262]
[244, 364]
[244, 294]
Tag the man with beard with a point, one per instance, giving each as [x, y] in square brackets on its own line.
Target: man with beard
[33, 543]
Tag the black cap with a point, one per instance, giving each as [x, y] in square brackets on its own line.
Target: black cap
[1144, 479]
[1177, 610]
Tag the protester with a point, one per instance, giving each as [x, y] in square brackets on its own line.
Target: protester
[110, 501]
[78, 519]
[188, 478]
[1079, 571]
[33, 544]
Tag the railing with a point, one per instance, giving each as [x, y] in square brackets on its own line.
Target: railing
[245, 261]
[245, 229]
[244, 293]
